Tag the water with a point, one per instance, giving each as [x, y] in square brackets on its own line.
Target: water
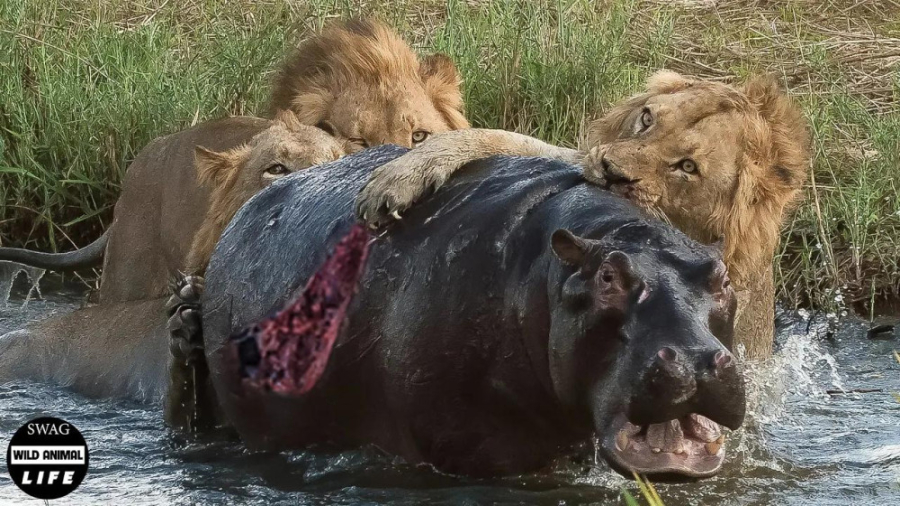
[801, 445]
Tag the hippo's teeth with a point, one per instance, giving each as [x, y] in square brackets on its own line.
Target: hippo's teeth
[666, 436]
[655, 450]
[679, 450]
[622, 441]
[701, 428]
[714, 447]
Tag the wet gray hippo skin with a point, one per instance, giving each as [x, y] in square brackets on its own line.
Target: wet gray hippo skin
[485, 338]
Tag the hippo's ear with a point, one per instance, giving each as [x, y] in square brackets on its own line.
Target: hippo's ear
[714, 274]
[570, 248]
[616, 281]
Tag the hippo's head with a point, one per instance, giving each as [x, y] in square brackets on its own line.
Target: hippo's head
[636, 346]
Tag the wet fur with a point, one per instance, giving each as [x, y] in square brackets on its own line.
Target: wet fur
[164, 211]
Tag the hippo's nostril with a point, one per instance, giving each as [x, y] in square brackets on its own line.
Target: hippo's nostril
[721, 360]
[667, 354]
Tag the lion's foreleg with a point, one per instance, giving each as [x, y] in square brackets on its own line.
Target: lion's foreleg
[399, 184]
[190, 403]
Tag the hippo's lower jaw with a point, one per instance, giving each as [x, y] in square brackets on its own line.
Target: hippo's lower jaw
[690, 447]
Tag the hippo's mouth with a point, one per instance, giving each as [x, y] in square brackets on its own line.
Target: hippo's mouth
[691, 446]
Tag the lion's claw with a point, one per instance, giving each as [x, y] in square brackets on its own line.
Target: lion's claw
[389, 193]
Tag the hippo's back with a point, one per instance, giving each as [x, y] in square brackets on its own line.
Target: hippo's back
[282, 235]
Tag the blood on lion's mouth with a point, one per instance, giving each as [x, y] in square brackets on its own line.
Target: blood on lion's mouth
[626, 188]
[692, 446]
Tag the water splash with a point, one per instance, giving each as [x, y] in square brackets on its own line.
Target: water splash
[9, 271]
[798, 368]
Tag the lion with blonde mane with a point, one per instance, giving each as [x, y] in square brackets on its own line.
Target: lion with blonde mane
[720, 162]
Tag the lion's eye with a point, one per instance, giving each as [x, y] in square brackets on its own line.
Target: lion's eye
[646, 119]
[688, 166]
[419, 136]
[359, 142]
[277, 170]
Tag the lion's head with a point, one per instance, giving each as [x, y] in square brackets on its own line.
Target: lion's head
[360, 81]
[235, 175]
[715, 160]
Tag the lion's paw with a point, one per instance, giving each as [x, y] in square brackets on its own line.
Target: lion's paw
[185, 318]
[389, 193]
[593, 166]
[396, 186]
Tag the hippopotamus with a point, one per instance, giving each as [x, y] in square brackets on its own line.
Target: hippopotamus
[504, 322]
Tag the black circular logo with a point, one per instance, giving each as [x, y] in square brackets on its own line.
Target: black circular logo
[47, 458]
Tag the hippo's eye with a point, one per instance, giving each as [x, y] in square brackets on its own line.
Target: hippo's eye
[277, 170]
[646, 119]
[687, 166]
[419, 136]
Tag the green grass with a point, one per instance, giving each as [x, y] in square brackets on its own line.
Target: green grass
[84, 85]
[647, 491]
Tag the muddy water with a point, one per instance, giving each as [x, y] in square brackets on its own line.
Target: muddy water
[802, 445]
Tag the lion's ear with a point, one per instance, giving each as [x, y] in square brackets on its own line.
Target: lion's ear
[668, 81]
[212, 166]
[289, 119]
[311, 106]
[442, 84]
[789, 158]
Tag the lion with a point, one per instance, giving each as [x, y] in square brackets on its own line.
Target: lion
[357, 80]
[235, 175]
[715, 160]
[361, 82]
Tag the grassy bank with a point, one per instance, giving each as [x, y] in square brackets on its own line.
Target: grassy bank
[85, 84]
